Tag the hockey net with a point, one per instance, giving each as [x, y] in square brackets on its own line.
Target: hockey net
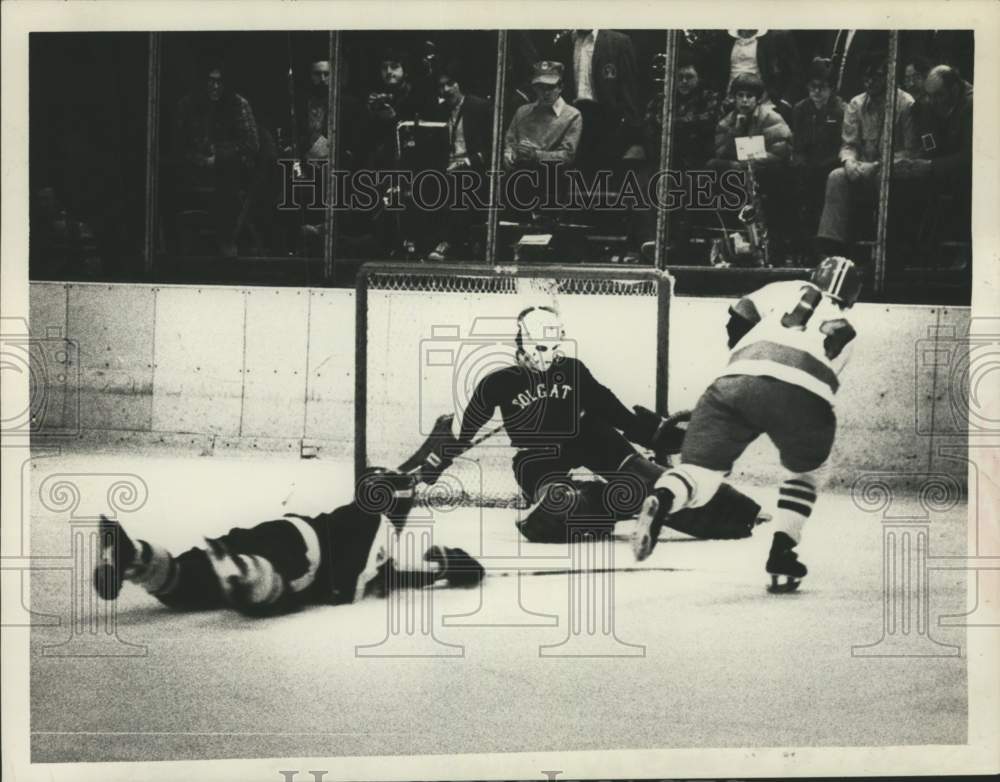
[427, 334]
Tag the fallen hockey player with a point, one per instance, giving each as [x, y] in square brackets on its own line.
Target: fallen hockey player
[789, 342]
[559, 418]
[281, 565]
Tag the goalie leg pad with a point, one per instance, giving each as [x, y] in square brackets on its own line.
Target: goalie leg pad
[564, 504]
[545, 521]
[729, 515]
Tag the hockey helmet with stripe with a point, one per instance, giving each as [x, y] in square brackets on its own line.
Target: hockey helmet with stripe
[839, 279]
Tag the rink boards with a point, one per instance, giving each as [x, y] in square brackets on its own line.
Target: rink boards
[203, 364]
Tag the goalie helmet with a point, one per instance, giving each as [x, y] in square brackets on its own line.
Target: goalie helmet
[839, 279]
[540, 335]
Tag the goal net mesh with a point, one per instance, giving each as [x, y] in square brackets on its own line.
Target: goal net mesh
[430, 335]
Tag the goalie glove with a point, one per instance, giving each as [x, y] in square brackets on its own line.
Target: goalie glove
[663, 436]
[436, 454]
[458, 566]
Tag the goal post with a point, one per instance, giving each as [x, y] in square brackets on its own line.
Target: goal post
[427, 333]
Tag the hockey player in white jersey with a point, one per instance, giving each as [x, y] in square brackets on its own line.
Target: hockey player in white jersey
[789, 342]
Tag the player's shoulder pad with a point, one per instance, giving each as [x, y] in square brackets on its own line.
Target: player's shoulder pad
[746, 309]
[774, 295]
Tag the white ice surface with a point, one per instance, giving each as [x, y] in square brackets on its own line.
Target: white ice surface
[724, 664]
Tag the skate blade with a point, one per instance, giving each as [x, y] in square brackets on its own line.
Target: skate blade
[643, 540]
[779, 587]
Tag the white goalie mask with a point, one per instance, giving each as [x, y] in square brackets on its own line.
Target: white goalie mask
[540, 335]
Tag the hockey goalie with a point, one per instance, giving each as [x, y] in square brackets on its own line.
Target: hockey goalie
[560, 418]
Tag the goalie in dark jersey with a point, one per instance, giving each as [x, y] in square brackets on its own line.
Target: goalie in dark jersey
[560, 418]
[281, 565]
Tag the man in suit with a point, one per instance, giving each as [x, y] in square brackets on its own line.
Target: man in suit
[601, 80]
[470, 131]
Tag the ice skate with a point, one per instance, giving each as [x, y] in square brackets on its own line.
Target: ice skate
[118, 554]
[648, 526]
[784, 566]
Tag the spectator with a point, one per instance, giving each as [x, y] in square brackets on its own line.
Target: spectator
[940, 47]
[547, 130]
[469, 120]
[60, 242]
[848, 50]
[394, 100]
[771, 56]
[861, 152]
[817, 120]
[915, 70]
[312, 141]
[314, 132]
[816, 127]
[315, 143]
[750, 117]
[470, 139]
[216, 144]
[696, 112]
[601, 81]
[946, 155]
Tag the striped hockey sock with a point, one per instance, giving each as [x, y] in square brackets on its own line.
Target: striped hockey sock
[155, 569]
[796, 498]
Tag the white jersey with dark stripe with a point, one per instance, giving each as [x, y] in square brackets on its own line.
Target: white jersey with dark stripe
[799, 336]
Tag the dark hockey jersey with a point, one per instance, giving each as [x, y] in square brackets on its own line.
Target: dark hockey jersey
[542, 407]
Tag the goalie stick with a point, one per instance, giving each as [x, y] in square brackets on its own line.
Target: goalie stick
[413, 465]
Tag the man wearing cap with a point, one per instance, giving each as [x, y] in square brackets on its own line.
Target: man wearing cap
[549, 128]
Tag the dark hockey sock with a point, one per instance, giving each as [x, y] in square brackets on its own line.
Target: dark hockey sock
[191, 583]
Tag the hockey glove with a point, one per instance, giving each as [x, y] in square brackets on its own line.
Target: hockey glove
[461, 569]
[664, 436]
